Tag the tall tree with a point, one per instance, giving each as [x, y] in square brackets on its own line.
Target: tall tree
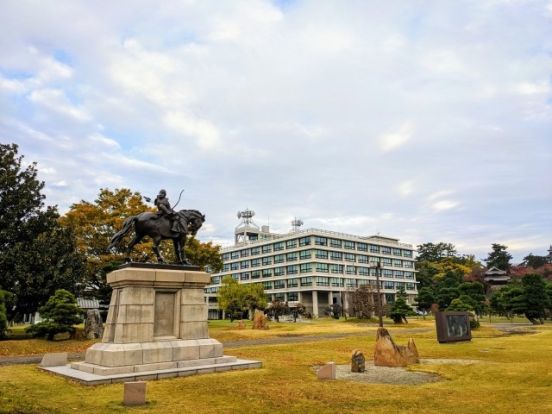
[534, 261]
[432, 252]
[37, 256]
[236, 298]
[400, 308]
[536, 298]
[425, 299]
[499, 257]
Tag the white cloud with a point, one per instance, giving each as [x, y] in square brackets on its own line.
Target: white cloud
[396, 139]
[56, 101]
[444, 205]
[406, 188]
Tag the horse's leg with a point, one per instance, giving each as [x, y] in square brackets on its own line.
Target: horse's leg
[182, 242]
[156, 241]
[177, 250]
[134, 242]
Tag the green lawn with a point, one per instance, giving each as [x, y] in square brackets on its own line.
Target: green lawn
[514, 375]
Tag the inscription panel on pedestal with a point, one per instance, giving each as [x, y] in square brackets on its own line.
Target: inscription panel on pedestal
[164, 314]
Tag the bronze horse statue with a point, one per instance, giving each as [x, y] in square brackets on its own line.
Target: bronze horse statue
[159, 228]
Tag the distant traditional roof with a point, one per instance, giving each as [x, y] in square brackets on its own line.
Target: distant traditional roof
[88, 303]
[495, 271]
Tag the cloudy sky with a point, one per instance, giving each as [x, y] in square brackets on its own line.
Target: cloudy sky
[422, 120]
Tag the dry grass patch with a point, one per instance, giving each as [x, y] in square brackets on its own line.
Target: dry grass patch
[513, 375]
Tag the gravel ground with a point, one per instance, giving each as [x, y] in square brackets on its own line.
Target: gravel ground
[385, 375]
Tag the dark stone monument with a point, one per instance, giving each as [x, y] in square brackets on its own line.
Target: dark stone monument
[93, 326]
[358, 362]
[453, 326]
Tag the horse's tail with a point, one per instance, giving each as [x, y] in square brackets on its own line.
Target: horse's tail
[127, 226]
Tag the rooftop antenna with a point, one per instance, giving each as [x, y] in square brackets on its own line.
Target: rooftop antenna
[295, 224]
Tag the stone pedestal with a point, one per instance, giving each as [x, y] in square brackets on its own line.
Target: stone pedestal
[157, 323]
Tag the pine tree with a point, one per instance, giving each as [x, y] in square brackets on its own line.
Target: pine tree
[60, 314]
[400, 308]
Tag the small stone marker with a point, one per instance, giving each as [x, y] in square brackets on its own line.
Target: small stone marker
[358, 362]
[54, 359]
[327, 372]
[135, 393]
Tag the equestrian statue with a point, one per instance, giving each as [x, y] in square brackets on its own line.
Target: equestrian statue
[161, 225]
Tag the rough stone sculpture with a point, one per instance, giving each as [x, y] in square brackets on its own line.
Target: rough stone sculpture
[93, 326]
[358, 362]
[259, 320]
[389, 354]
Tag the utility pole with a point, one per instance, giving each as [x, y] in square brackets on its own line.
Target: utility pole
[380, 313]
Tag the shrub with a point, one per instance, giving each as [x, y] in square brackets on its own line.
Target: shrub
[60, 314]
[3, 315]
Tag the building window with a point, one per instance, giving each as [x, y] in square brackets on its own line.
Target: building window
[321, 241]
[362, 247]
[278, 246]
[279, 258]
[267, 285]
[387, 261]
[321, 254]
[293, 296]
[410, 286]
[236, 276]
[244, 276]
[306, 281]
[407, 263]
[390, 297]
[336, 281]
[292, 270]
[305, 268]
[409, 275]
[322, 267]
[215, 280]
[407, 253]
[350, 270]
[226, 267]
[374, 248]
[399, 274]
[335, 243]
[267, 248]
[362, 258]
[279, 271]
[290, 244]
[244, 253]
[256, 274]
[363, 271]
[386, 250]
[225, 257]
[255, 251]
[280, 296]
[293, 283]
[336, 255]
[235, 255]
[267, 261]
[350, 257]
[304, 241]
[374, 259]
[387, 273]
[396, 252]
[305, 254]
[350, 283]
[279, 284]
[350, 245]
[267, 273]
[336, 268]
[363, 282]
[244, 264]
[388, 285]
[322, 281]
[255, 262]
[234, 266]
[292, 257]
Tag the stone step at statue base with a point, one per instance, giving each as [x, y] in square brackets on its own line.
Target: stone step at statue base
[225, 363]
